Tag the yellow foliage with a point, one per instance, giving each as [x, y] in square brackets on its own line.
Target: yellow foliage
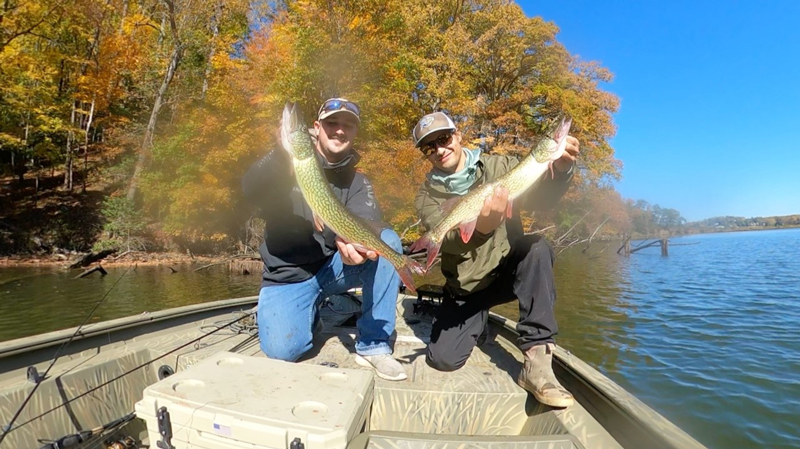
[502, 76]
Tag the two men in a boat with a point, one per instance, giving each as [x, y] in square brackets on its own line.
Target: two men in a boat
[499, 262]
[303, 266]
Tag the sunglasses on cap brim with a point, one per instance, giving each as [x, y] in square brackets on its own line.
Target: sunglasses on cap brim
[337, 105]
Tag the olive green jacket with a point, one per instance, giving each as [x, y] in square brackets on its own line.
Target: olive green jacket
[472, 266]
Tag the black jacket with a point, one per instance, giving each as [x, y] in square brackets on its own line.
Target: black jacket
[293, 250]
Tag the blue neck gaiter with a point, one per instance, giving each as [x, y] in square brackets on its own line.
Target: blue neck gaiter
[460, 181]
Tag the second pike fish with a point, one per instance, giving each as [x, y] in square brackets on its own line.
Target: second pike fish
[463, 211]
[327, 208]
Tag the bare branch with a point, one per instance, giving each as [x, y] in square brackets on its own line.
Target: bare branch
[598, 228]
[560, 239]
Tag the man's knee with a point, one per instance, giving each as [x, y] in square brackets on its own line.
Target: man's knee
[541, 250]
[288, 350]
[392, 239]
[442, 361]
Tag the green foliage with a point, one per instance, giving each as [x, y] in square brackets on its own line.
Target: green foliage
[87, 78]
[649, 220]
[123, 224]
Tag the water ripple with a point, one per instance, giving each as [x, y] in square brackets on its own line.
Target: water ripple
[706, 336]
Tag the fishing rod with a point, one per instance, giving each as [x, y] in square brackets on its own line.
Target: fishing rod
[7, 429]
[92, 390]
[82, 437]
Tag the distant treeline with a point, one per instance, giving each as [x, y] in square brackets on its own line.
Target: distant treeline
[654, 221]
[730, 223]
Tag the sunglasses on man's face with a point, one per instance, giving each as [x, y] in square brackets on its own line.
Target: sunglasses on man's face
[335, 105]
[433, 146]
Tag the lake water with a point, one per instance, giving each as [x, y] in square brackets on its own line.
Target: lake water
[707, 336]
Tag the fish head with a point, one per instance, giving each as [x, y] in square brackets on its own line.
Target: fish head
[552, 148]
[294, 134]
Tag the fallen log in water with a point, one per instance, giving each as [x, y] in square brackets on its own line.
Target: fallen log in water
[90, 258]
[99, 268]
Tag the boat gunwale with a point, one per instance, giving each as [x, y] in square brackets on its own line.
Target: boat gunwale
[41, 341]
[612, 395]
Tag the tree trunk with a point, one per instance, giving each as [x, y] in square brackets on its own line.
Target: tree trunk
[86, 145]
[215, 19]
[147, 143]
[68, 162]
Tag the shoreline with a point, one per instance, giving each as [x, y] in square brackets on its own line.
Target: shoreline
[172, 258]
[144, 259]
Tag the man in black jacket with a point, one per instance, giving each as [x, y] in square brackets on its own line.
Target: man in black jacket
[303, 266]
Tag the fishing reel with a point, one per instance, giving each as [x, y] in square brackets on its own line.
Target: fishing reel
[429, 298]
[125, 443]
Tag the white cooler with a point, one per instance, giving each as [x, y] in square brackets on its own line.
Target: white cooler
[231, 401]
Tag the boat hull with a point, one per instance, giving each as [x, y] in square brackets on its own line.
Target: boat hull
[105, 370]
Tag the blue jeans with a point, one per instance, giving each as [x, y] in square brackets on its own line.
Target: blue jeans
[286, 312]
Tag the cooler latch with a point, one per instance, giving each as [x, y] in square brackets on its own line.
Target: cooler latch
[297, 443]
[164, 429]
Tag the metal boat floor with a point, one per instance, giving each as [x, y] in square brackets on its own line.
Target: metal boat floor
[119, 358]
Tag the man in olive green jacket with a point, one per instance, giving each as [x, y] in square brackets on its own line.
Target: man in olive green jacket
[498, 264]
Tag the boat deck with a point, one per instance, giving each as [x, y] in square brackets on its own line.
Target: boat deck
[482, 398]
[104, 372]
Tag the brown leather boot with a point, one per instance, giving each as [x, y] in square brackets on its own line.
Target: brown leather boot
[538, 378]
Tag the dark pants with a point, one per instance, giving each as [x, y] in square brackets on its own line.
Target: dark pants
[461, 322]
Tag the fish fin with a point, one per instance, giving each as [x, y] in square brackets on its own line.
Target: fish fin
[552, 173]
[466, 230]
[510, 208]
[360, 248]
[319, 225]
[406, 273]
[428, 243]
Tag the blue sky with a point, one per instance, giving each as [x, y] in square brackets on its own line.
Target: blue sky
[709, 122]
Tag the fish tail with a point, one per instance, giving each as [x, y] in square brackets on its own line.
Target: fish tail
[430, 244]
[406, 272]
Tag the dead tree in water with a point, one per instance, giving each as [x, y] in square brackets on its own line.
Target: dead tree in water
[98, 267]
[664, 243]
[90, 258]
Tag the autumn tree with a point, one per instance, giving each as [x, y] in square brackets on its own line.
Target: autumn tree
[499, 73]
[178, 97]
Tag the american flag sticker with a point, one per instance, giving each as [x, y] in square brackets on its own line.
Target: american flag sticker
[222, 430]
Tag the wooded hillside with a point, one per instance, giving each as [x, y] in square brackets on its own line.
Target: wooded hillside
[131, 122]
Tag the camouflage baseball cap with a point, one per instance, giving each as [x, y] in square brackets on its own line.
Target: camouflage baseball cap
[431, 123]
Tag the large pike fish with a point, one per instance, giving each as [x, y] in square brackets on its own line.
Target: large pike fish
[328, 209]
[463, 211]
